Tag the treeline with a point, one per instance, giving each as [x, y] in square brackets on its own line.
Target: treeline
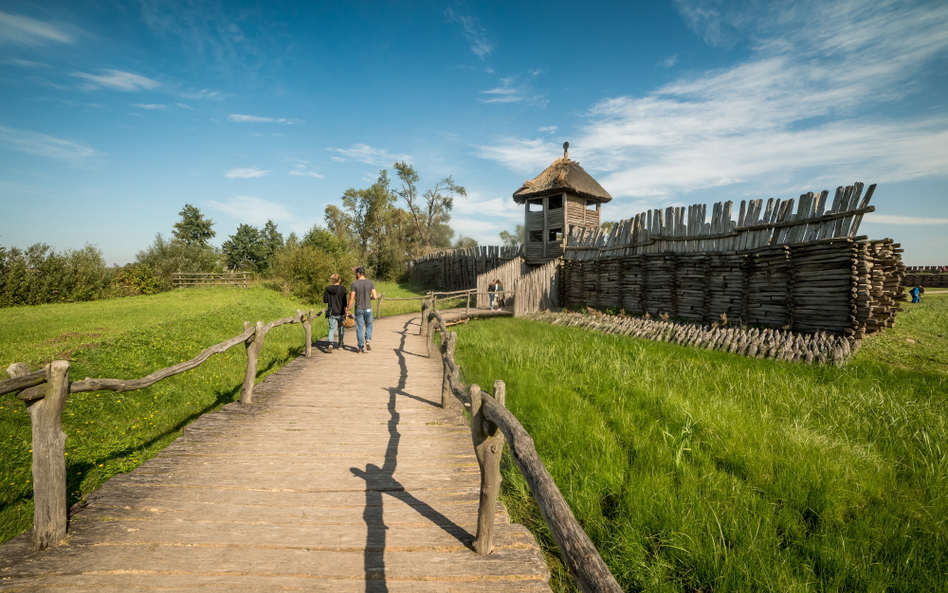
[380, 227]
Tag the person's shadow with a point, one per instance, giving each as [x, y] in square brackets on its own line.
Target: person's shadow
[380, 481]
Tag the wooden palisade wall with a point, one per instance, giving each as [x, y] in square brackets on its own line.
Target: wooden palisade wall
[457, 269]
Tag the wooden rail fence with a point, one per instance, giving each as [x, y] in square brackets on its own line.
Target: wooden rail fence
[491, 424]
[188, 279]
[45, 391]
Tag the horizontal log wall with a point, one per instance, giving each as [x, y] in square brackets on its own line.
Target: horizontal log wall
[926, 278]
[458, 269]
[840, 286]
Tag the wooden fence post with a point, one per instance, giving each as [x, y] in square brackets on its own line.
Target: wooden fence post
[423, 330]
[378, 312]
[49, 460]
[308, 330]
[488, 447]
[254, 346]
[428, 335]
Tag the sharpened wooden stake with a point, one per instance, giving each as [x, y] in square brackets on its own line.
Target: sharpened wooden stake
[307, 321]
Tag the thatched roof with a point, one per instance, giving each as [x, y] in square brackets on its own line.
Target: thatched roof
[563, 175]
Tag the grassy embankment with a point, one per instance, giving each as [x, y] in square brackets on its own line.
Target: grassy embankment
[110, 433]
[695, 470]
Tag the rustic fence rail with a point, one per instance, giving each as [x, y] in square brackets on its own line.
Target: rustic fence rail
[45, 392]
[491, 424]
[188, 279]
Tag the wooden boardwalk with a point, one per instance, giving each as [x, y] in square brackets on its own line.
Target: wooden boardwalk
[344, 475]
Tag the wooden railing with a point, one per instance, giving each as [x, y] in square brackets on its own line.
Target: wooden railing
[185, 279]
[45, 392]
[491, 424]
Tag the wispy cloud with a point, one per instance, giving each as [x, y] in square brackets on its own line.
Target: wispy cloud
[259, 120]
[117, 80]
[22, 30]
[253, 211]
[43, 145]
[202, 94]
[515, 90]
[474, 33]
[810, 104]
[245, 173]
[872, 217]
[670, 61]
[25, 63]
[302, 170]
[149, 106]
[549, 129]
[373, 156]
[184, 106]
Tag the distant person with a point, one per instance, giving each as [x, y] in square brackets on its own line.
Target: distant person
[360, 302]
[492, 292]
[916, 293]
[335, 298]
[499, 291]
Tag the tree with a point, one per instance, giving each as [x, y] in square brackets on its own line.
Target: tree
[465, 242]
[515, 238]
[246, 249]
[193, 229]
[368, 212]
[166, 257]
[272, 238]
[607, 226]
[429, 211]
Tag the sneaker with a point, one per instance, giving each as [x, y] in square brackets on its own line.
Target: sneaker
[360, 351]
[368, 346]
[329, 350]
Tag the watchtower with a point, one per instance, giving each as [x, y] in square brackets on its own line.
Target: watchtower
[560, 199]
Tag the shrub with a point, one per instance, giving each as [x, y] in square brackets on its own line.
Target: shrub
[167, 257]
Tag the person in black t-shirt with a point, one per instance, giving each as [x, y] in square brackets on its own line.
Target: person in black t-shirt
[335, 298]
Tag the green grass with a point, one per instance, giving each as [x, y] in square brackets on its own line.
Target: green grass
[110, 433]
[695, 470]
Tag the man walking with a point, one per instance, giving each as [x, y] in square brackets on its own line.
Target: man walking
[360, 300]
[335, 298]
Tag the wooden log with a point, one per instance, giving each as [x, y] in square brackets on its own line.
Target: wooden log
[583, 560]
[307, 331]
[21, 378]
[49, 460]
[254, 346]
[488, 447]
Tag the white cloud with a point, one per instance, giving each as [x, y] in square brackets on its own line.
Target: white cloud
[149, 106]
[373, 156]
[873, 218]
[184, 106]
[475, 34]
[25, 63]
[253, 211]
[203, 94]
[117, 80]
[302, 170]
[513, 90]
[548, 129]
[43, 145]
[812, 103]
[670, 61]
[22, 30]
[259, 120]
[338, 159]
[245, 173]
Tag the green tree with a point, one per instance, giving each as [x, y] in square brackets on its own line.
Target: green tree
[430, 210]
[193, 229]
[166, 257]
[465, 242]
[247, 249]
[515, 238]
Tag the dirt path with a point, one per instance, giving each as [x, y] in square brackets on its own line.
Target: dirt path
[344, 475]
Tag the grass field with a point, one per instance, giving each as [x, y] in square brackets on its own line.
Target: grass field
[695, 470]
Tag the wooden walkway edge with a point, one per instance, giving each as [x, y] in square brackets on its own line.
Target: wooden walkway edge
[344, 475]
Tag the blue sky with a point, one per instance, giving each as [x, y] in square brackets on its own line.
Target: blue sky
[115, 114]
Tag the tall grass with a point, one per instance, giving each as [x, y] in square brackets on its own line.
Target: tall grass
[695, 470]
[110, 433]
